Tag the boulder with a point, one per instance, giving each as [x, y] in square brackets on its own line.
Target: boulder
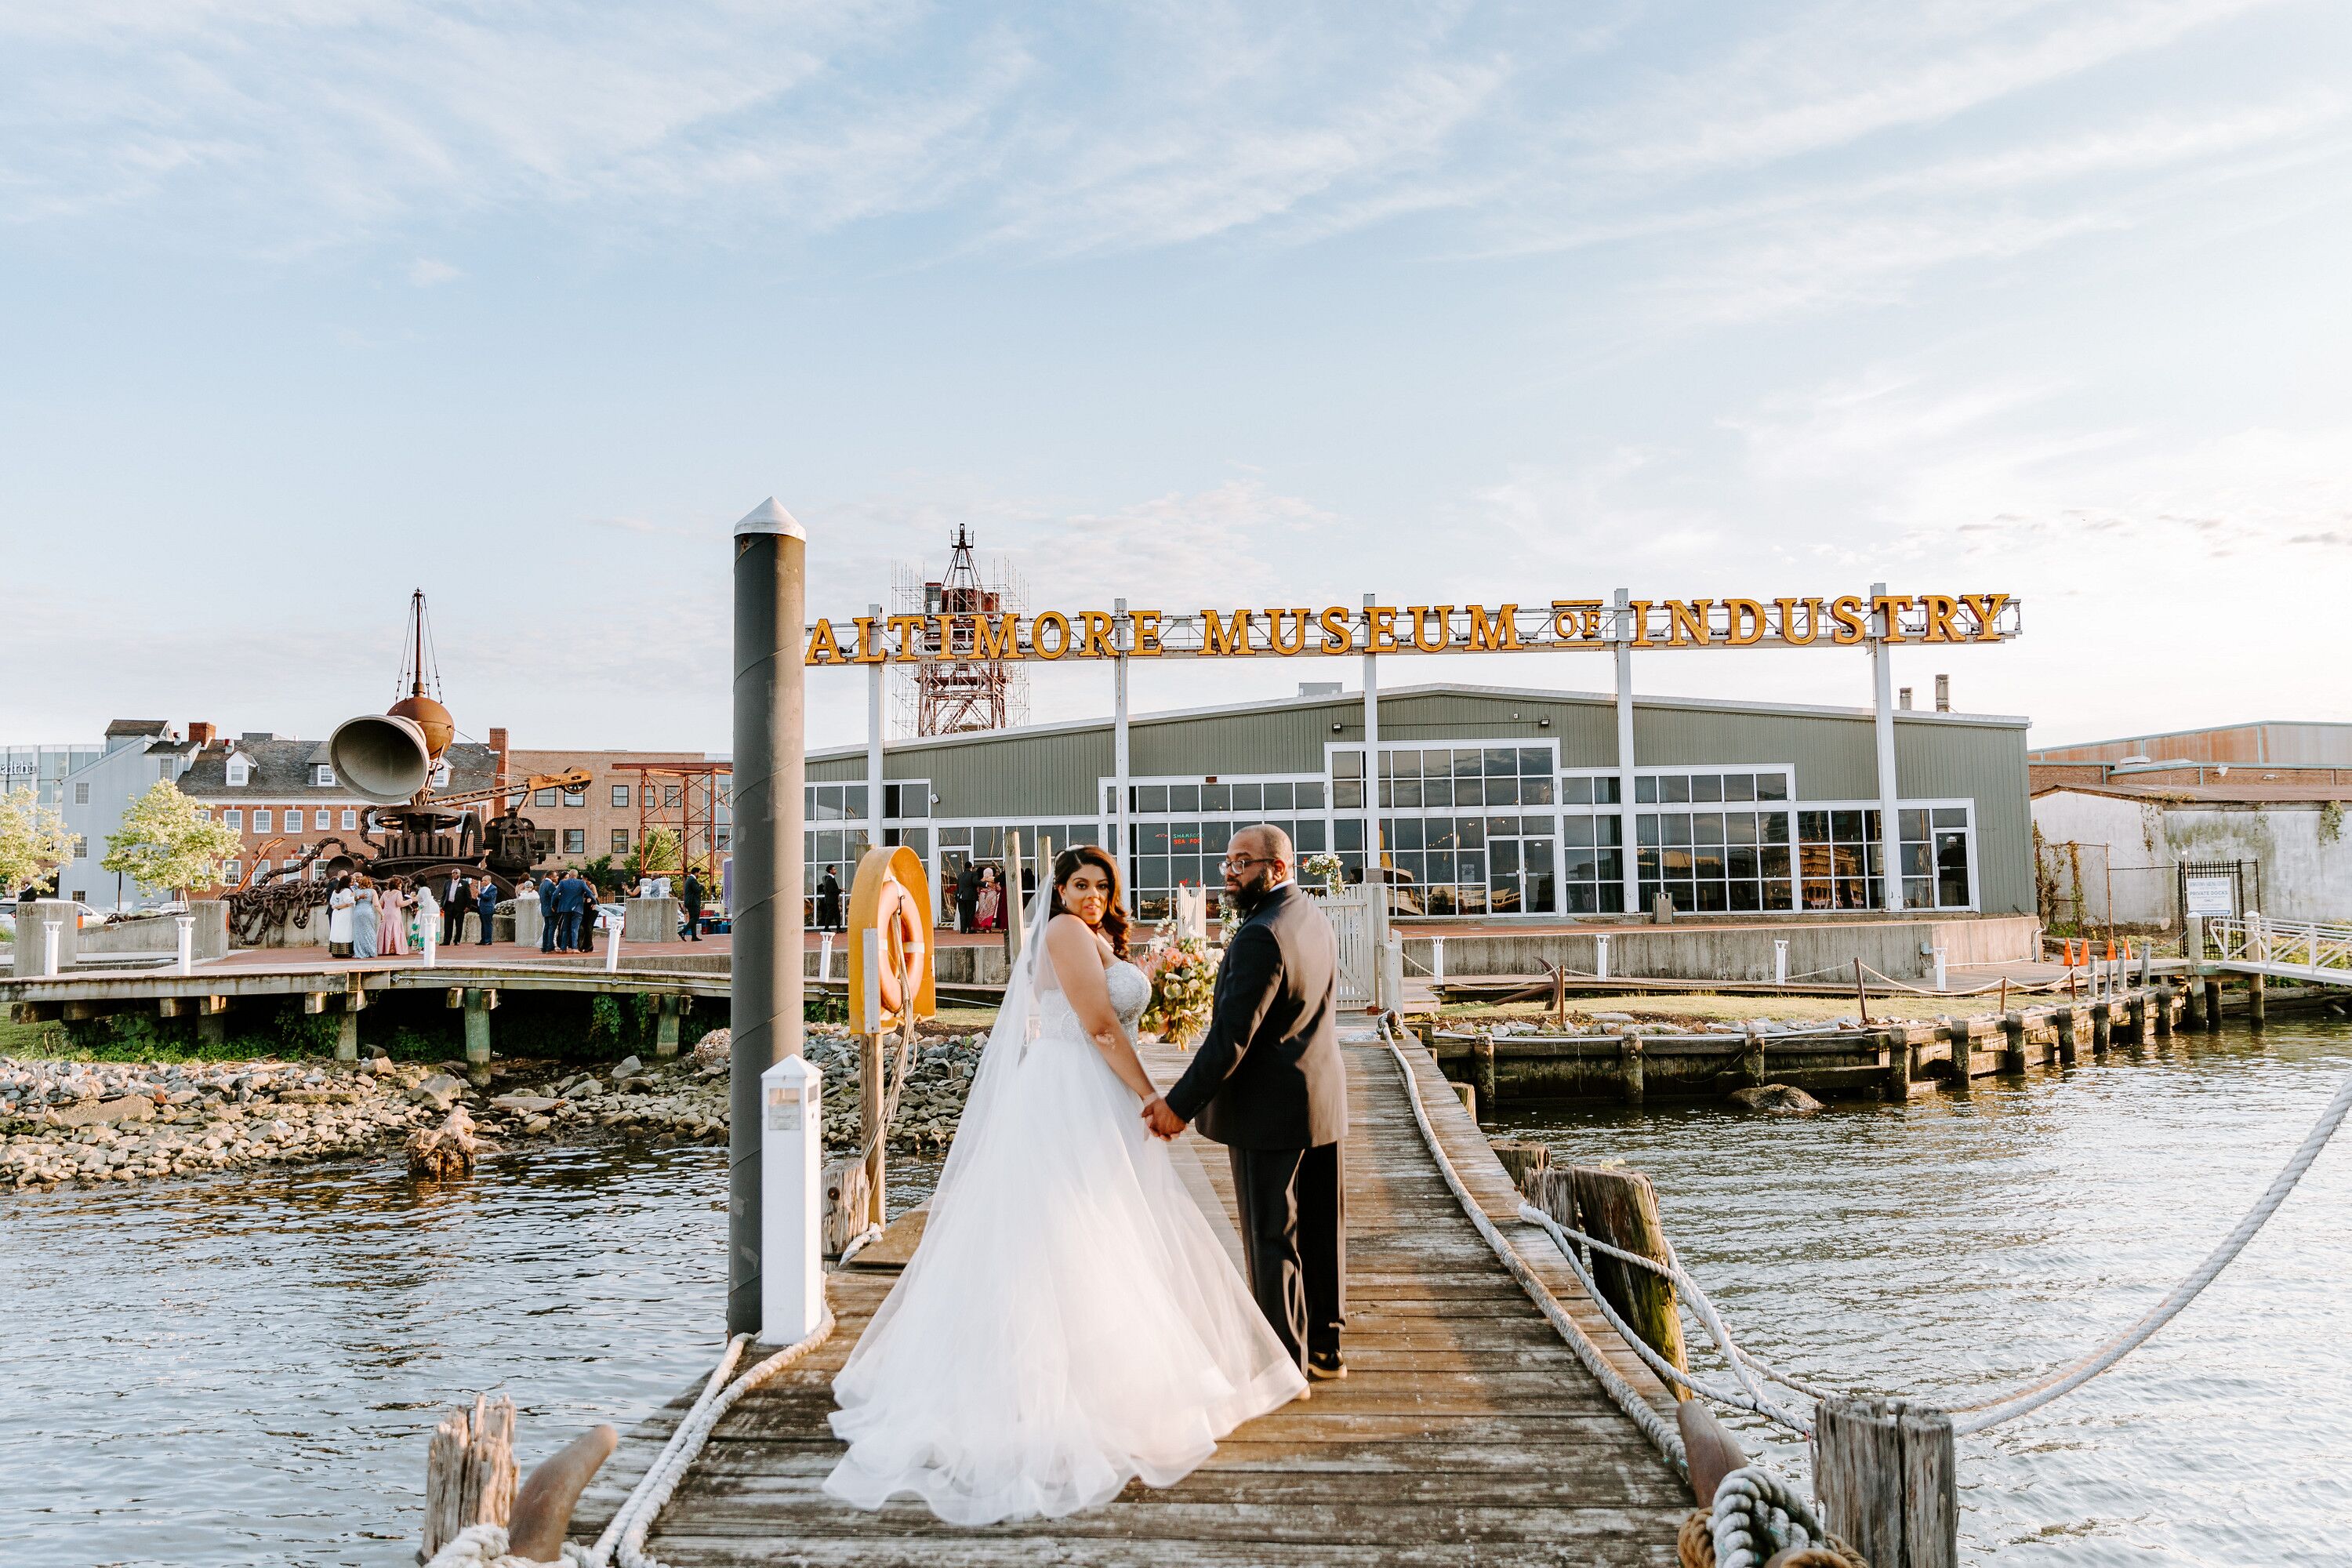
[1775, 1099]
[440, 1091]
[91, 1112]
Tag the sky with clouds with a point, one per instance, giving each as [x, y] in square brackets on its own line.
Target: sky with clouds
[317, 301]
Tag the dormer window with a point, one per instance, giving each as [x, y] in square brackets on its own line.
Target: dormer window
[323, 776]
[240, 773]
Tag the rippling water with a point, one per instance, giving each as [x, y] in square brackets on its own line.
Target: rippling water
[243, 1370]
[1962, 1245]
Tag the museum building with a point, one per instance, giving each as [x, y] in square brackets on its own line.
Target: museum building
[1481, 802]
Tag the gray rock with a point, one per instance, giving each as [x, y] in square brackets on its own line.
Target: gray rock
[440, 1090]
[1776, 1099]
[630, 1068]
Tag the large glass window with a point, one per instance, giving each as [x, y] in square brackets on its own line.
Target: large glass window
[969, 844]
[1711, 860]
[1838, 858]
[1593, 857]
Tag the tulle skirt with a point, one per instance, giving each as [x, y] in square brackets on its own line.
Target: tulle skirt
[1070, 1322]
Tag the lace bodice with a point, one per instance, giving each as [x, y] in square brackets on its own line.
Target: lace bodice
[1131, 993]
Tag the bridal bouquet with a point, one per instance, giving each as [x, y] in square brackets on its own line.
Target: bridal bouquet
[1181, 990]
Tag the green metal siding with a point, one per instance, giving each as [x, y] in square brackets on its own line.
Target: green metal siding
[1053, 774]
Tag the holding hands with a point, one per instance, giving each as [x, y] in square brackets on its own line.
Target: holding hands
[1163, 1122]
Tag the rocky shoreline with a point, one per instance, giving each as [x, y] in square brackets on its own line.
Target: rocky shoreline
[73, 1122]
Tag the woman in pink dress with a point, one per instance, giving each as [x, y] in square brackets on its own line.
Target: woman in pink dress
[394, 901]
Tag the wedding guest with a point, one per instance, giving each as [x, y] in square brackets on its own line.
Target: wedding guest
[365, 916]
[339, 917]
[392, 925]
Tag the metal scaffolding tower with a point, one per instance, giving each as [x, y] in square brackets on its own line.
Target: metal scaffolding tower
[966, 694]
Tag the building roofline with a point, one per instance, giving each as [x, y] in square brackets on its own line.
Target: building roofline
[2198, 730]
[1355, 700]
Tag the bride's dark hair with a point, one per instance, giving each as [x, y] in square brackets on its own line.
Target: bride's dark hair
[1114, 921]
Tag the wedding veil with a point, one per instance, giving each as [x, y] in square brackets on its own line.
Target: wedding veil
[1008, 1042]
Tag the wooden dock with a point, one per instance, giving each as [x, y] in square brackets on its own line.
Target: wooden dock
[1466, 1432]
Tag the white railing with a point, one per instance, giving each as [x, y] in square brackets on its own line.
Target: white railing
[1349, 911]
[2324, 951]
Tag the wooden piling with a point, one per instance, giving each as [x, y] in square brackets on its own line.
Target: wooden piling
[1887, 1481]
[1751, 1059]
[666, 1027]
[2192, 1005]
[1629, 1068]
[845, 1205]
[2163, 1003]
[469, 1471]
[2061, 1020]
[1620, 1207]
[1482, 1061]
[1956, 1030]
[2255, 996]
[1899, 1067]
[1469, 1099]
[2212, 1003]
[2012, 1042]
[2102, 1030]
[478, 1034]
[1521, 1161]
[870, 1133]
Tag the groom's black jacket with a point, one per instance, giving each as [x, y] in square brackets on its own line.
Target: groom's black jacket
[1267, 1075]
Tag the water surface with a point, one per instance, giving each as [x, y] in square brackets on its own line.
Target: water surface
[1957, 1245]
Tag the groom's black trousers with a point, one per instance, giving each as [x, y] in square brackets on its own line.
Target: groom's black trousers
[1294, 1240]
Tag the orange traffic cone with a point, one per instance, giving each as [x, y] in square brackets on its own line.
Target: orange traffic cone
[2111, 950]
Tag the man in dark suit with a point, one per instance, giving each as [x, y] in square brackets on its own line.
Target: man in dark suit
[693, 900]
[967, 897]
[485, 908]
[1267, 1083]
[570, 900]
[550, 922]
[460, 905]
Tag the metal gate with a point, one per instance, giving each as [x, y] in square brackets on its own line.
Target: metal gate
[1349, 911]
[2245, 878]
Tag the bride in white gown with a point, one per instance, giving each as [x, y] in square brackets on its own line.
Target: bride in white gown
[1070, 1320]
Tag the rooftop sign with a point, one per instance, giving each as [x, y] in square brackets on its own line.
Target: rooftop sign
[1288, 632]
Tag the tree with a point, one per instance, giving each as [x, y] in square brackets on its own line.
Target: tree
[34, 843]
[657, 853]
[165, 843]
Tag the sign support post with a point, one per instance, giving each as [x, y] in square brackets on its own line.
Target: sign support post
[1890, 813]
[875, 680]
[1624, 628]
[1123, 638]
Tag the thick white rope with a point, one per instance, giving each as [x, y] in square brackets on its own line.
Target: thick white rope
[1755, 1400]
[1653, 1426]
[1998, 1407]
[2004, 1405]
[624, 1539]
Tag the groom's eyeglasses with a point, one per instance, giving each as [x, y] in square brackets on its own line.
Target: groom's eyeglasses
[1244, 862]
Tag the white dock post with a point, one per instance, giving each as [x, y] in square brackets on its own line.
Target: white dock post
[824, 957]
[792, 1141]
[1437, 959]
[1779, 961]
[49, 929]
[612, 948]
[1939, 969]
[1601, 956]
[187, 924]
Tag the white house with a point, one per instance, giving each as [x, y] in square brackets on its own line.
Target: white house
[93, 797]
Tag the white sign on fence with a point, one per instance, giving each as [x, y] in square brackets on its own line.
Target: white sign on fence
[2210, 896]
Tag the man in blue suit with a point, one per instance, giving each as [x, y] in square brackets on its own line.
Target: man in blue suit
[570, 897]
[548, 920]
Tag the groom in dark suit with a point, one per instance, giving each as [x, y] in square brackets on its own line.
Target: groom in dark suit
[1267, 1083]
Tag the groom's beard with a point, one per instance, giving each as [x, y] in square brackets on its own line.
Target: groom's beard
[1248, 898]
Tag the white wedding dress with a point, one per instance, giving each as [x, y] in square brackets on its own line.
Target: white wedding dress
[1070, 1320]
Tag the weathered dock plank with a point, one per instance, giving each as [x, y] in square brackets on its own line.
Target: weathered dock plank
[1466, 1432]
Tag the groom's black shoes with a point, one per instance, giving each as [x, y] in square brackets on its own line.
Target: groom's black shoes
[1326, 1366]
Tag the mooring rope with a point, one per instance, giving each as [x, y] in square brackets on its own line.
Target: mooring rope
[1653, 1426]
[623, 1540]
[1994, 1408]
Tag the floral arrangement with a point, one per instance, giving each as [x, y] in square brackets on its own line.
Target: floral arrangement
[1324, 869]
[1182, 989]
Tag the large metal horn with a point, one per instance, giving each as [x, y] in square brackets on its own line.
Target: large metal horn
[380, 757]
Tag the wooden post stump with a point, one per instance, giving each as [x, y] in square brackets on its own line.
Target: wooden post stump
[1482, 1060]
[2102, 1030]
[1885, 1476]
[845, 1205]
[1751, 1059]
[347, 1036]
[2061, 1019]
[1897, 1087]
[2255, 996]
[1629, 1068]
[1521, 1161]
[478, 1034]
[2012, 1042]
[2212, 1003]
[666, 1027]
[871, 1135]
[1469, 1099]
[1620, 1207]
[469, 1471]
[2163, 1004]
